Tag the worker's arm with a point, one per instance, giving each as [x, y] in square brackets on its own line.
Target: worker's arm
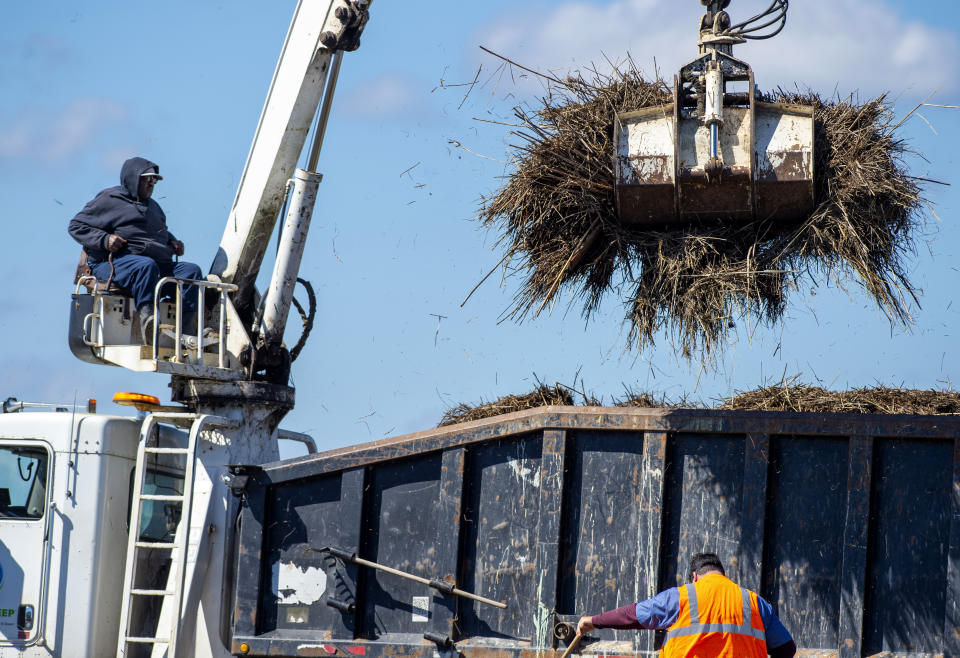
[95, 239]
[780, 644]
[93, 227]
[175, 244]
[658, 612]
[621, 619]
[787, 650]
[85, 229]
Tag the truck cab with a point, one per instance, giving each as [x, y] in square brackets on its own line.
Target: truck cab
[66, 482]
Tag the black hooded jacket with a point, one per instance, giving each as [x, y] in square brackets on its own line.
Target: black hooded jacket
[119, 211]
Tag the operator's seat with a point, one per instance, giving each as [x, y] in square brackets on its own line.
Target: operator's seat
[92, 301]
[84, 276]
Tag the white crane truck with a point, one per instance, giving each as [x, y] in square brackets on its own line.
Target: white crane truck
[113, 530]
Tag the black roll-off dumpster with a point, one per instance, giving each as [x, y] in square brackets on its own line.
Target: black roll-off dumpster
[848, 524]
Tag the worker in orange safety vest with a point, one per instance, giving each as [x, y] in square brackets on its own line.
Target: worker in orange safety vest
[710, 616]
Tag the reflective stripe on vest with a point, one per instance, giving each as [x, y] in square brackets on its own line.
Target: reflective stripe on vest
[696, 628]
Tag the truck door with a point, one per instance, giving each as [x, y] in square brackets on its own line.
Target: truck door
[25, 475]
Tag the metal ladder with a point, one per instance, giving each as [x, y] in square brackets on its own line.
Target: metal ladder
[178, 547]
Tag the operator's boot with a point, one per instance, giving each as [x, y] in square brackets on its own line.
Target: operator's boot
[146, 324]
[147, 320]
[188, 331]
[188, 323]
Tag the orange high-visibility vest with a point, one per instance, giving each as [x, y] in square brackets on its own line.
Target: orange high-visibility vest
[717, 619]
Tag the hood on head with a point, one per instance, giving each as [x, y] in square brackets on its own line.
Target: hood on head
[130, 175]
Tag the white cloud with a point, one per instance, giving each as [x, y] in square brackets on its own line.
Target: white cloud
[113, 158]
[15, 139]
[385, 97]
[845, 44]
[79, 123]
[54, 136]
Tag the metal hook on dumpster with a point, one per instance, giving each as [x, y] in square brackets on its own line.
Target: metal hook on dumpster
[342, 606]
[442, 641]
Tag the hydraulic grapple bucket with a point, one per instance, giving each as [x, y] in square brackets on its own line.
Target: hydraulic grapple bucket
[681, 164]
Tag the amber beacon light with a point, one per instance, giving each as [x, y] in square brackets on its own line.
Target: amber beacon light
[139, 400]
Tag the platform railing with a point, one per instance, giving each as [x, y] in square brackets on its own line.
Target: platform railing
[195, 350]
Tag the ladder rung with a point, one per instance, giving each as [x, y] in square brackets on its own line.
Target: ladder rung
[160, 545]
[167, 451]
[152, 592]
[146, 640]
[175, 498]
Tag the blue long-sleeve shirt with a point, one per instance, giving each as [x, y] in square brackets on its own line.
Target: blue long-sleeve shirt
[661, 611]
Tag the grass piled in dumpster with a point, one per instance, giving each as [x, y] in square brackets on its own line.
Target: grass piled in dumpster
[790, 396]
[557, 221]
[648, 400]
[541, 396]
[787, 395]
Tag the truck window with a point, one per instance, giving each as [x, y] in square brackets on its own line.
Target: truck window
[159, 519]
[23, 482]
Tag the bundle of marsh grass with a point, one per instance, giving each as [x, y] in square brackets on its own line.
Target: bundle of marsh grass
[557, 210]
[557, 219]
[542, 396]
[789, 396]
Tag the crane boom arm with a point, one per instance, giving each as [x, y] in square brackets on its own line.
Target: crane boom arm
[319, 28]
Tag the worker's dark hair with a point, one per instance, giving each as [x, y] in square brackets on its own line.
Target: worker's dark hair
[702, 563]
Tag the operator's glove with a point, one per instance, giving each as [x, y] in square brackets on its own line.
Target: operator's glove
[115, 243]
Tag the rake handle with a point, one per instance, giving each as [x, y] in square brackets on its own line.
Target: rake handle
[572, 646]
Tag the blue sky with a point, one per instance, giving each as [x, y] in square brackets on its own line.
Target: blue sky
[182, 83]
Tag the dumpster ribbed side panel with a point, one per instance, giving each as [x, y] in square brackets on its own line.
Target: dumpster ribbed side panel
[908, 541]
[804, 541]
[295, 513]
[848, 525]
[501, 516]
[602, 544]
[702, 503]
[400, 531]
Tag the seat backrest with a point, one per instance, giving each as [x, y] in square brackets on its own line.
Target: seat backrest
[85, 276]
[83, 267]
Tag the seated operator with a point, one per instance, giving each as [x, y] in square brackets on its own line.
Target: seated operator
[124, 233]
[710, 616]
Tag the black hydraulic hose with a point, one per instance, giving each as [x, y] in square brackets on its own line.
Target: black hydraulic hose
[774, 6]
[781, 19]
[307, 318]
[745, 29]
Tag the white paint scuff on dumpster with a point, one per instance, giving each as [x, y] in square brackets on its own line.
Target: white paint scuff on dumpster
[293, 585]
